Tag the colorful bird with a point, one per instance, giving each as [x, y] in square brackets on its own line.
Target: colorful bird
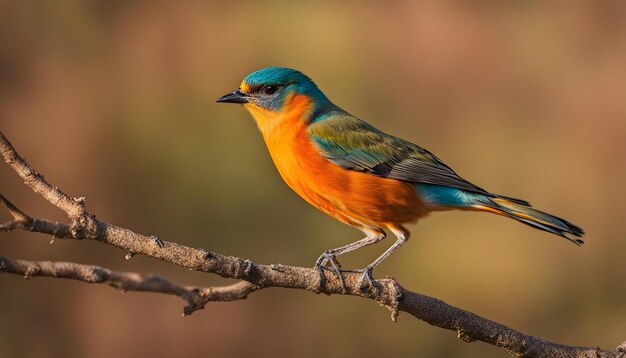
[359, 175]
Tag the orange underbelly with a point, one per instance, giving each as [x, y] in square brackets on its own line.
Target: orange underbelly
[352, 197]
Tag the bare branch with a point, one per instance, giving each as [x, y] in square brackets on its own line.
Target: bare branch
[17, 214]
[389, 293]
[73, 207]
[23, 221]
[196, 297]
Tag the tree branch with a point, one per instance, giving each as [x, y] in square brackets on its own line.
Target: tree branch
[22, 221]
[389, 293]
[196, 297]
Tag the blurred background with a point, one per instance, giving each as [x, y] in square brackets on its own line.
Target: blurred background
[115, 101]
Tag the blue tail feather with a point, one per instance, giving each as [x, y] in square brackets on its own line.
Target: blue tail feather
[446, 196]
[449, 198]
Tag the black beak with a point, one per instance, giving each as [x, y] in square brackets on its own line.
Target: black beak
[234, 97]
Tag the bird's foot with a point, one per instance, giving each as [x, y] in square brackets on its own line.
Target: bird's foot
[366, 280]
[158, 242]
[335, 266]
[327, 257]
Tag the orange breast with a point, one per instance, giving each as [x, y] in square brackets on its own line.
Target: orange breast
[352, 197]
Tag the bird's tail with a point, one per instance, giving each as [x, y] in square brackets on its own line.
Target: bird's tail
[445, 197]
[524, 213]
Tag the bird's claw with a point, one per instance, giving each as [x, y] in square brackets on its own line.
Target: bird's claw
[157, 241]
[335, 266]
[366, 280]
[327, 257]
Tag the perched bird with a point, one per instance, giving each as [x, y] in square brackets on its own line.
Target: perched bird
[358, 174]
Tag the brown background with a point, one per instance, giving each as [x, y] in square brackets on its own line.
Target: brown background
[114, 100]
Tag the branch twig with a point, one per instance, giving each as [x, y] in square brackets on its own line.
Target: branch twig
[469, 327]
[21, 221]
[196, 297]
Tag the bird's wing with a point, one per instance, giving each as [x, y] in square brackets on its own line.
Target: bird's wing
[353, 144]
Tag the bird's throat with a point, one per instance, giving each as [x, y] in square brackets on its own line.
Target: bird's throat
[296, 109]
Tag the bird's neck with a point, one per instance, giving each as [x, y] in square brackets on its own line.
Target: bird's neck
[323, 110]
[297, 109]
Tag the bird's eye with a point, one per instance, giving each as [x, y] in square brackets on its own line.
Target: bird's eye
[270, 90]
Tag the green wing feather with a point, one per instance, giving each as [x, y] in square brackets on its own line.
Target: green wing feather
[353, 144]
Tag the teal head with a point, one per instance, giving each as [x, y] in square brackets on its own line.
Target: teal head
[272, 90]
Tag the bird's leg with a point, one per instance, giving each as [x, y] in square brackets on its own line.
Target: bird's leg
[403, 235]
[373, 235]
[320, 265]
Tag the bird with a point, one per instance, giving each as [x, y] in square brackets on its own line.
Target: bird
[358, 174]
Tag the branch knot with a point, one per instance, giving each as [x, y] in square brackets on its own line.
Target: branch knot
[84, 226]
